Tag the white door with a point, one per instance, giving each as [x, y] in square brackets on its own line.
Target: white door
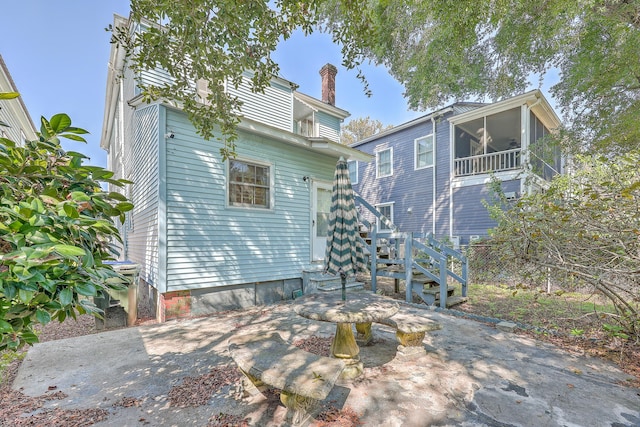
[320, 208]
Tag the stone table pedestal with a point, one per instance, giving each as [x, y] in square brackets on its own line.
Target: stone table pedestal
[361, 308]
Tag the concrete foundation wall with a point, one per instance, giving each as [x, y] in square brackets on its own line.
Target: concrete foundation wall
[201, 302]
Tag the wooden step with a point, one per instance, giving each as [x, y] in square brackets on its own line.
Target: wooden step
[456, 300]
[423, 280]
[435, 290]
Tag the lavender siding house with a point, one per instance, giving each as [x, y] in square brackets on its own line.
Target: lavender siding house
[431, 174]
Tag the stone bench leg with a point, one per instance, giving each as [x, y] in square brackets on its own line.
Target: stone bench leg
[364, 336]
[410, 343]
[252, 385]
[299, 408]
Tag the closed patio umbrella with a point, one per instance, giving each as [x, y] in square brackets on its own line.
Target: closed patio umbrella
[344, 254]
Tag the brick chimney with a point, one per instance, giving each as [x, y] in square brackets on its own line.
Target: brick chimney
[328, 73]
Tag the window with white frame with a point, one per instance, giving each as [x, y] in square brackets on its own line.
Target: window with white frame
[423, 149]
[353, 171]
[385, 209]
[249, 184]
[384, 163]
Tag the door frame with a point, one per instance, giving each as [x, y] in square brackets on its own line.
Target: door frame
[316, 253]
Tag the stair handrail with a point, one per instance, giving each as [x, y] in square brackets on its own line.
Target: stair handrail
[443, 248]
[383, 219]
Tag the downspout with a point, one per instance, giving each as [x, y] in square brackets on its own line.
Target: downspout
[451, 154]
[434, 199]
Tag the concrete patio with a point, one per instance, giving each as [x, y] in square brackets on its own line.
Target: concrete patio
[472, 375]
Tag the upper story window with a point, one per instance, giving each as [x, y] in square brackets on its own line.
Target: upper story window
[423, 149]
[384, 163]
[353, 171]
[250, 184]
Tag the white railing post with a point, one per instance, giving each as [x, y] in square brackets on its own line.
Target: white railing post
[408, 266]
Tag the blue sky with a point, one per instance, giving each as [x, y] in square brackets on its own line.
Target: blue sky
[57, 53]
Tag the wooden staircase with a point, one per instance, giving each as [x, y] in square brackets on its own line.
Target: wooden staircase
[423, 262]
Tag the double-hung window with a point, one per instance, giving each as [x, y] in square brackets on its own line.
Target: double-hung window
[385, 209]
[384, 163]
[423, 148]
[249, 184]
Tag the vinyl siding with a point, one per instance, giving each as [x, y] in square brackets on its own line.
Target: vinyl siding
[274, 107]
[142, 167]
[156, 77]
[14, 130]
[443, 175]
[470, 215]
[211, 245]
[406, 188]
[328, 126]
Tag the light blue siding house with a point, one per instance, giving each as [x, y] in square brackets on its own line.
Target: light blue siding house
[213, 235]
[18, 125]
[430, 175]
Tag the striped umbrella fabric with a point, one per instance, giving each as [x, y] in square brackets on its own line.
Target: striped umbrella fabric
[344, 254]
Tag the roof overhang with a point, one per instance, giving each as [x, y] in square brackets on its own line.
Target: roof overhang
[318, 145]
[534, 100]
[431, 116]
[318, 105]
[114, 70]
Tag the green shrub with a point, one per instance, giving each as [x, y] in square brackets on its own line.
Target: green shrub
[56, 231]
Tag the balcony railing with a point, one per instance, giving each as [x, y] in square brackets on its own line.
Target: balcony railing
[485, 163]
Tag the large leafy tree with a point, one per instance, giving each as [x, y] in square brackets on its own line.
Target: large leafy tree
[360, 128]
[56, 231]
[584, 231]
[438, 49]
[442, 50]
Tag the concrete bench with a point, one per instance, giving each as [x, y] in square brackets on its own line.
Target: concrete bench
[410, 331]
[303, 378]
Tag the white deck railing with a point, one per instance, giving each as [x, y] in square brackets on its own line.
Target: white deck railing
[484, 163]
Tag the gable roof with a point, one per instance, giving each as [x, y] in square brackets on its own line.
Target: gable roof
[464, 111]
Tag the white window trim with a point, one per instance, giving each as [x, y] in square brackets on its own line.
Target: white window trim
[271, 185]
[390, 217]
[357, 180]
[415, 152]
[390, 149]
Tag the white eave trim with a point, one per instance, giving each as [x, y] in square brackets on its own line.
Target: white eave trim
[115, 66]
[315, 144]
[414, 122]
[318, 105]
[318, 145]
[528, 98]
